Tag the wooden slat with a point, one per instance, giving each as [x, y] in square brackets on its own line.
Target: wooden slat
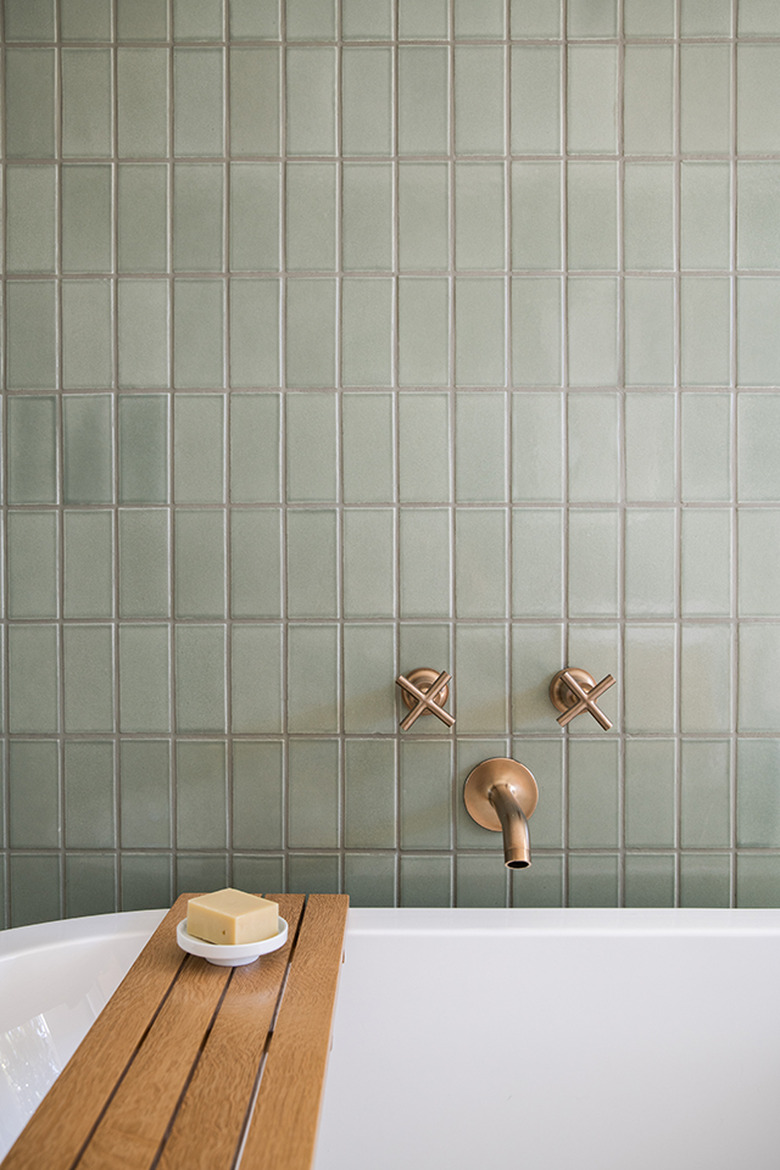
[283, 1130]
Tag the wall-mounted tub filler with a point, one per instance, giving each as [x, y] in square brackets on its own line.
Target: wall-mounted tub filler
[573, 691]
[502, 794]
[425, 691]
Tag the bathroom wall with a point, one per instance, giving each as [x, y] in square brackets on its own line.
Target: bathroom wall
[346, 338]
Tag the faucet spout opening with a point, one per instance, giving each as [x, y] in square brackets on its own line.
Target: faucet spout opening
[514, 826]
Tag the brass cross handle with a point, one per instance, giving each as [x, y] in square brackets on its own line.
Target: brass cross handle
[425, 692]
[573, 691]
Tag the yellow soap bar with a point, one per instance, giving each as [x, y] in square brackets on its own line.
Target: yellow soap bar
[228, 917]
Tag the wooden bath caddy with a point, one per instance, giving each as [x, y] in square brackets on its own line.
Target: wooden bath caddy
[190, 1065]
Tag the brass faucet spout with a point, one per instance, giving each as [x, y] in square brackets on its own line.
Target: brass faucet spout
[501, 794]
[517, 843]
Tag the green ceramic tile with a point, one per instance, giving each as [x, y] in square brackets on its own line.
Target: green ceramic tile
[312, 567]
[142, 20]
[90, 804]
[87, 123]
[366, 101]
[32, 450]
[256, 661]
[199, 563]
[757, 569]
[424, 455]
[479, 215]
[30, 218]
[705, 554]
[310, 219]
[254, 333]
[257, 809]
[480, 331]
[537, 562]
[368, 456]
[590, 420]
[254, 448]
[703, 18]
[146, 880]
[369, 794]
[263, 873]
[198, 438]
[423, 329]
[705, 99]
[757, 188]
[593, 562]
[198, 102]
[650, 879]
[648, 101]
[536, 330]
[31, 335]
[312, 686]
[200, 871]
[88, 473]
[541, 885]
[145, 793]
[86, 218]
[426, 881]
[485, 22]
[33, 564]
[706, 447]
[255, 563]
[143, 333]
[592, 215]
[311, 448]
[201, 795]
[87, 335]
[34, 817]
[705, 796]
[535, 98]
[758, 93]
[481, 583]
[480, 447]
[544, 758]
[311, 20]
[369, 563]
[369, 879]
[757, 708]
[89, 564]
[429, 644]
[706, 215]
[367, 20]
[367, 217]
[254, 101]
[592, 113]
[29, 103]
[423, 107]
[537, 447]
[481, 881]
[705, 310]
[198, 333]
[423, 19]
[592, 331]
[251, 21]
[591, 18]
[483, 700]
[425, 562]
[366, 331]
[199, 21]
[705, 880]
[593, 880]
[314, 873]
[758, 415]
[88, 678]
[86, 20]
[142, 102]
[758, 350]
[650, 653]
[311, 332]
[143, 448]
[201, 681]
[479, 100]
[655, 20]
[198, 217]
[90, 884]
[425, 787]
[650, 793]
[536, 215]
[313, 788]
[650, 330]
[144, 684]
[757, 879]
[310, 106]
[35, 888]
[651, 429]
[369, 697]
[650, 547]
[757, 18]
[254, 216]
[758, 810]
[29, 20]
[648, 238]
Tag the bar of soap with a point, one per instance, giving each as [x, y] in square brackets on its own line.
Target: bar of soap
[228, 917]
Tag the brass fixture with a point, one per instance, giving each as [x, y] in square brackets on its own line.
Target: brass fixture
[425, 691]
[502, 794]
[573, 691]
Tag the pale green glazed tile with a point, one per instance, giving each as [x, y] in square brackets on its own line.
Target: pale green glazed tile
[310, 106]
[537, 562]
[758, 416]
[423, 331]
[648, 109]
[650, 879]
[311, 20]
[592, 215]
[650, 330]
[366, 20]
[366, 95]
[369, 794]
[591, 18]
[537, 447]
[311, 332]
[705, 880]
[198, 333]
[368, 456]
[759, 91]
[593, 562]
[200, 871]
[369, 563]
[29, 103]
[310, 219]
[256, 679]
[255, 102]
[592, 112]
[147, 880]
[199, 21]
[648, 239]
[142, 102]
[758, 809]
[642, 20]
[32, 450]
[536, 99]
[143, 448]
[705, 215]
[534, 18]
[479, 215]
[706, 447]
[197, 102]
[593, 880]
[650, 653]
[650, 793]
[90, 813]
[426, 881]
[33, 564]
[88, 471]
[758, 348]
[484, 22]
[650, 546]
[254, 333]
[89, 564]
[544, 758]
[424, 540]
[201, 795]
[31, 335]
[480, 447]
[313, 788]
[87, 335]
[536, 650]
[424, 454]
[757, 18]
[590, 420]
[86, 218]
[705, 550]
[423, 107]
[34, 794]
[541, 885]
[145, 793]
[142, 20]
[30, 218]
[369, 879]
[757, 878]
[199, 560]
[200, 660]
[255, 563]
[87, 123]
[85, 20]
[313, 873]
[312, 564]
[423, 215]
[758, 184]
[369, 696]
[257, 808]
[254, 216]
[481, 654]
[197, 217]
[255, 449]
[367, 217]
[593, 794]
[703, 18]
[480, 316]
[29, 20]
[35, 888]
[312, 681]
[536, 215]
[311, 425]
[144, 679]
[88, 678]
[592, 330]
[366, 331]
[480, 881]
[758, 585]
[424, 781]
[143, 333]
[536, 331]
[705, 311]
[479, 100]
[705, 797]
[198, 440]
[705, 99]
[651, 432]
[423, 19]
[480, 563]
[261, 873]
[251, 21]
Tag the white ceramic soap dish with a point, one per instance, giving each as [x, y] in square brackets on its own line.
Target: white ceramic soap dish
[230, 956]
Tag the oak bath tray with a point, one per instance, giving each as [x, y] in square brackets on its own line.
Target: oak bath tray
[192, 1065]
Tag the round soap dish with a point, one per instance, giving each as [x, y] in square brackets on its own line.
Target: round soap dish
[230, 956]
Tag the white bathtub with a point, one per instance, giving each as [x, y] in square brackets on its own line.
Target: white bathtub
[601, 1039]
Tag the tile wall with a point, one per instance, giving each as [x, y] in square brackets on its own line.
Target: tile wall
[346, 338]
